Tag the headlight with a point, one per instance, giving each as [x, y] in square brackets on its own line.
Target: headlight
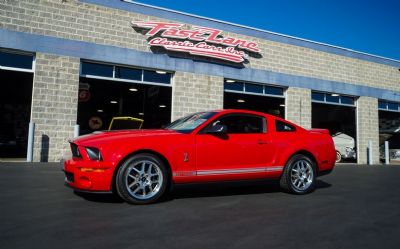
[93, 153]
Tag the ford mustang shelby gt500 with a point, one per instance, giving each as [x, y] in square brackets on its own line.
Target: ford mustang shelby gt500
[223, 145]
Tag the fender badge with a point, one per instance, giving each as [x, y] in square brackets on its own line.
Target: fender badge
[185, 157]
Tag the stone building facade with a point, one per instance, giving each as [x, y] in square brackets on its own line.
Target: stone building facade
[60, 34]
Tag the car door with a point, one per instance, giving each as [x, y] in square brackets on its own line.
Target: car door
[239, 152]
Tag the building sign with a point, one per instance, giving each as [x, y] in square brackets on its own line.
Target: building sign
[200, 41]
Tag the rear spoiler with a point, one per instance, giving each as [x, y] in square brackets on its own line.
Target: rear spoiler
[323, 131]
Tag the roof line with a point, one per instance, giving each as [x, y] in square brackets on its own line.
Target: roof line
[259, 30]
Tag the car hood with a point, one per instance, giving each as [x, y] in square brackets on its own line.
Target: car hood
[108, 136]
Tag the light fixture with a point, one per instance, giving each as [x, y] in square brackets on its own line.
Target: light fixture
[100, 110]
[241, 101]
[335, 95]
[283, 105]
[161, 72]
[113, 102]
[141, 114]
[230, 81]
[133, 89]
[162, 106]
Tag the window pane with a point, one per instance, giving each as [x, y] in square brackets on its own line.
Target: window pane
[242, 124]
[97, 69]
[318, 96]
[282, 126]
[128, 73]
[393, 106]
[153, 76]
[274, 90]
[347, 100]
[330, 98]
[382, 105]
[253, 88]
[237, 86]
[16, 60]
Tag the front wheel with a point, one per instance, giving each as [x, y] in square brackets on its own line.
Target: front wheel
[299, 175]
[141, 179]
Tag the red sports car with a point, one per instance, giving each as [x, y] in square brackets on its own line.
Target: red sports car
[222, 145]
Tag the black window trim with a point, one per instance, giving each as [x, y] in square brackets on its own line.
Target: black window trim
[265, 121]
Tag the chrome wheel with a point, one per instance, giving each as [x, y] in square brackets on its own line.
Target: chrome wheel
[143, 179]
[338, 157]
[302, 175]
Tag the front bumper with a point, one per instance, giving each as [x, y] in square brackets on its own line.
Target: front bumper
[89, 176]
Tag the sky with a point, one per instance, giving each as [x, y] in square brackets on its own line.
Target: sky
[369, 26]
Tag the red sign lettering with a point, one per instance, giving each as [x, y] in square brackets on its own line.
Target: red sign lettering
[201, 41]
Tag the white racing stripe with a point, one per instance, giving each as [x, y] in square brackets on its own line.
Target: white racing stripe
[238, 171]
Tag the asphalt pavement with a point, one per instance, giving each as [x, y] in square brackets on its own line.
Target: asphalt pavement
[354, 207]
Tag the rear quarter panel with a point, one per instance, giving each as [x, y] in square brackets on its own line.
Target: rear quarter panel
[319, 145]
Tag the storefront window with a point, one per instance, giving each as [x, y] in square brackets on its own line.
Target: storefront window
[157, 77]
[234, 86]
[318, 96]
[19, 61]
[332, 98]
[256, 97]
[97, 69]
[128, 73]
[238, 86]
[126, 96]
[273, 90]
[253, 88]
[393, 106]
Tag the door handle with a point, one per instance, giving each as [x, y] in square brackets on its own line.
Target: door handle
[260, 141]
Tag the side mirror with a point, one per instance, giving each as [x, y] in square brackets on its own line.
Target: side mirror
[216, 129]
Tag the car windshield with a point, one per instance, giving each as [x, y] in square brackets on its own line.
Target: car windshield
[189, 123]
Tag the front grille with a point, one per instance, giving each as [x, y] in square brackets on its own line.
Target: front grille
[69, 177]
[75, 151]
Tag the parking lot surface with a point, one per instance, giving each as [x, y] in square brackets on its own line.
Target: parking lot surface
[354, 207]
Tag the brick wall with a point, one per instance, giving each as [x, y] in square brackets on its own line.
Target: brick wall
[298, 106]
[71, 19]
[367, 129]
[196, 92]
[54, 105]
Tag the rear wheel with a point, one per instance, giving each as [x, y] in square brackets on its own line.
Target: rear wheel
[299, 175]
[338, 157]
[141, 179]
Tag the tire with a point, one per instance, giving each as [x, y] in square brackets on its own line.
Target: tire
[299, 175]
[338, 157]
[142, 179]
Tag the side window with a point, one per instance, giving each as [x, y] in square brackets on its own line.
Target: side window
[243, 124]
[283, 127]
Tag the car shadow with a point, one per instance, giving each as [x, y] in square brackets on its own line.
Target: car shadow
[99, 197]
[230, 189]
[183, 191]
